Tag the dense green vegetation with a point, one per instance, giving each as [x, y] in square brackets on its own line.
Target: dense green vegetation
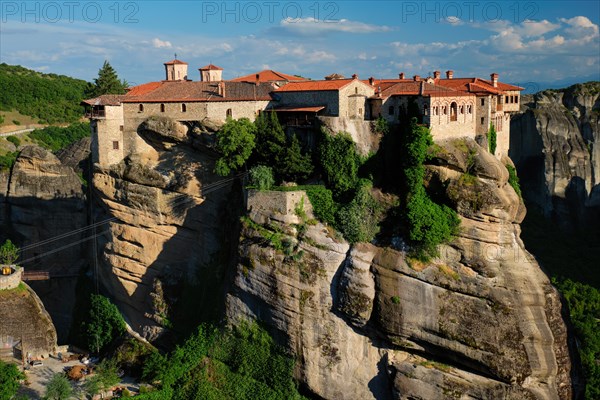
[261, 177]
[50, 98]
[275, 149]
[339, 161]
[14, 140]
[359, 219]
[584, 309]
[513, 179]
[106, 376]
[492, 139]
[9, 253]
[235, 142]
[9, 380]
[241, 363]
[8, 160]
[55, 138]
[429, 223]
[104, 323]
[107, 82]
[58, 388]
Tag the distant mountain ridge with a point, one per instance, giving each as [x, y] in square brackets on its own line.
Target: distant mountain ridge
[49, 97]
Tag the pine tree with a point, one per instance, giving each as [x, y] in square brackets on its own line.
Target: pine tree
[107, 82]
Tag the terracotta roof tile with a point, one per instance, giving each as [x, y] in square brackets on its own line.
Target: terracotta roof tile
[175, 61]
[268, 75]
[413, 88]
[300, 109]
[334, 84]
[178, 91]
[209, 67]
[143, 89]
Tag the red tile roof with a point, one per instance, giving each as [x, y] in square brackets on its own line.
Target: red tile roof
[476, 85]
[175, 61]
[300, 109]
[413, 88]
[268, 75]
[335, 84]
[143, 89]
[179, 91]
[209, 67]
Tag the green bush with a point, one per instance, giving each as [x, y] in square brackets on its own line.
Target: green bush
[358, 220]
[16, 122]
[492, 138]
[261, 177]
[104, 323]
[9, 253]
[9, 380]
[382, 126]
[14, 140]
[55, 138]
[584, 308]
[8, 160]
[241, 363]
[235, 142]
[2, 119]
[339, 161]
[513, 179]
[429, 224]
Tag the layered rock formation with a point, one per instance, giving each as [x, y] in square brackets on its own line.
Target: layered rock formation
[25, 320]
[554, 147]
[167, 225]
[480, 321]
[43, 199]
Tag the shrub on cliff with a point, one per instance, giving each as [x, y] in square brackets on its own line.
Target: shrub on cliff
[340, 161]
[358, 220]
[8, 160]
[261, 177]
[429, 224]
[9, 253]
[235, 142]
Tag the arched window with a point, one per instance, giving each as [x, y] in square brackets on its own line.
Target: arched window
[444, 110]
[469, 109]
[435, 110]
[141, 108]
[461, 109]
[453, 111]
[229, 113]
[162, 108]
[183, 108]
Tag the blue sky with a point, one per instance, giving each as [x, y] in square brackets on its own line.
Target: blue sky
[532, 43]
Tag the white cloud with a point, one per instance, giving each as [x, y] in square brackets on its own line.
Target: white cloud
[157, 43]
[453, 20]
[311, 26]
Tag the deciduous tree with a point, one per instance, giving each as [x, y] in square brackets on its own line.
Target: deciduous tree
[235, 142]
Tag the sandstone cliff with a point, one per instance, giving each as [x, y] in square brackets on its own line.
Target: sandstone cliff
[24, 318]
[165, 244]
[554, 147]
[481, 321]
[41, 198]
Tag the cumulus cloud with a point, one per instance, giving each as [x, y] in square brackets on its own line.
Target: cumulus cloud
[453, 20]
[157, 43]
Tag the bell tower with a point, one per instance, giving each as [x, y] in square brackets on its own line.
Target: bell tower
[176, 70]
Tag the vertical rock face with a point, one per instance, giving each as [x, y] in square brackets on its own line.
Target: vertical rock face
[43, 199]
[167, 226]
[554, 144]
[480, 321]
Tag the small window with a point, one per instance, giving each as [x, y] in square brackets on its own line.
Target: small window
[121, 128]
[483, 102]
[355, 90]
[482, 120]
[391, 110]
[141, 108]
[360, 111]
[516, 99]
[444, 110]
[425, 110]
[115, 145]
[183, 108]
[507, 99]
[469, 109]
[229, 113]
[162, 108]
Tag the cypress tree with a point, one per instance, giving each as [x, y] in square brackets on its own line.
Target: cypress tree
[107, 82]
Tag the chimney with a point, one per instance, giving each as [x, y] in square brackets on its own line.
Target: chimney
[401, 75]
[422, 88]
[354, 76]
[449, 74]
[494, 78]
[416, 78]
[378, 91]
[257, 78]
[371, 80]
[436, 74]
[221, 88]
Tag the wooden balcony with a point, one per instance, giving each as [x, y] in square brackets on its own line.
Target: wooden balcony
[95, 114]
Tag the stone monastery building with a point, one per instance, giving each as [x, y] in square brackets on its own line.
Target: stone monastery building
[450, 107]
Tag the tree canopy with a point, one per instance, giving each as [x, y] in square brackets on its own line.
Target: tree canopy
[107, 82]
[58, 388]
[104, 323]
[9, 380]
[9, 253]
[235, 142]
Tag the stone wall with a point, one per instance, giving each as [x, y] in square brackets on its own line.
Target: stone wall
[107, 134]
[442, 126]
[11, 281]
[353, 99]
[280, 206]
[329, 98]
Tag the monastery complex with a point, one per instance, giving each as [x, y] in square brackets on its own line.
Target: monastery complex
[451, 107]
